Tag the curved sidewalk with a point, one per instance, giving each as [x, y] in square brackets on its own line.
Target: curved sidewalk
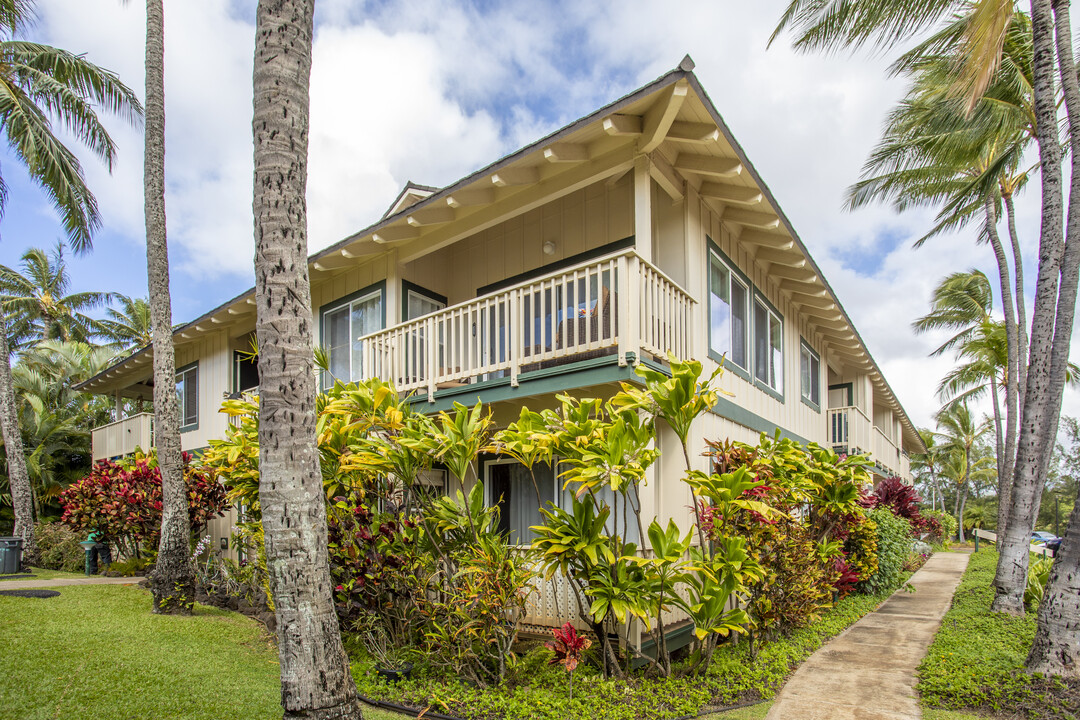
[63, 582]
[868, 671]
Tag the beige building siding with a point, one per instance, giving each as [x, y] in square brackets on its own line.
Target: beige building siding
[575, 223]
[214, 356]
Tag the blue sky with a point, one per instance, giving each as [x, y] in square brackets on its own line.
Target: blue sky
[430, 90]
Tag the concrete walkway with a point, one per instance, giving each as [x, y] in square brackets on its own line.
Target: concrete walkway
[868, 671]
[62, 582]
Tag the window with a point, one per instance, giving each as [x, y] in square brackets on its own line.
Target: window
[728, 296]
[187, 391]
[810, 375]
[768, 347]
[342, 327]
[510, 488]
[245, 372]
[418, 304]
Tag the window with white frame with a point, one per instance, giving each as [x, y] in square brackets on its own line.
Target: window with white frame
[187, 392]
[768, 346]
[343, 325]
[728, 301]
[810, 375]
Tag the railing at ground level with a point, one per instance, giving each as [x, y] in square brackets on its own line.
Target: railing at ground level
[615, 305]
[979, 533]
[122, 436]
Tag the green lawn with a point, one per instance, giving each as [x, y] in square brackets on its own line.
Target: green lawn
[97, 652]
[976, 661]
[40, 574]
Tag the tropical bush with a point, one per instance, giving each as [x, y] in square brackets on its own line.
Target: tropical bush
[945, 522]
[893, 547]
[122, 501]
[58, 547]
[799, 529]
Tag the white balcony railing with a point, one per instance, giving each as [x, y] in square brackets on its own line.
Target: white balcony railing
[849, 430]
[614, 305]
[123, 436]
[886, 453]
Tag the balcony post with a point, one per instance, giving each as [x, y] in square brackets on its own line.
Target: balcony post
[513, 334]
[630, 310]
[432, 353]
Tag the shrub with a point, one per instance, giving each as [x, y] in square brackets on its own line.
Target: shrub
[129, 567]
[946, 522]
[58, 547]
[893, 547]
[122, 501]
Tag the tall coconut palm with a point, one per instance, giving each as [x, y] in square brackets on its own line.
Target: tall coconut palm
[957, 434]
[128, 328]
[927, 467]
[42, 84]
[39, 306]
[939, 151]
[173, 582]
[315, 679]
[821, 24]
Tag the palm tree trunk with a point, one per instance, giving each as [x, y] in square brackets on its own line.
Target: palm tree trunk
[173, 583]
[1008, 449]
[315, 679]
[1021, 307]
[1056, 648]
[1004, 479]
[1011, 576]
[22, 497]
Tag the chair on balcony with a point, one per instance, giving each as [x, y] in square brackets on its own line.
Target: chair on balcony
[588, 327]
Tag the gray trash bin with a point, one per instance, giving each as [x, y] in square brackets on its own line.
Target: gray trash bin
[10, 555]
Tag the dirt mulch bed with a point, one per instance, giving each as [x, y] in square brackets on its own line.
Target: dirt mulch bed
[30, 593]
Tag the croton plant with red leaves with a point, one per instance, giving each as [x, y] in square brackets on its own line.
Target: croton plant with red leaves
[569, 647]
[122, 501]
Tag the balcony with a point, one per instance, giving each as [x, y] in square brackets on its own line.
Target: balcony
[851, 432]
[123, 436]
[613, 306]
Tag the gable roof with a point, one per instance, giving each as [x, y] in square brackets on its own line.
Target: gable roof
[404, 221]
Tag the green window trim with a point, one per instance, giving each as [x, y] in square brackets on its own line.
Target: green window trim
[406, 288]
[808, 401]
[758, 383]
[192, 367]
[339, 303]
[714, 250]
[850, 387]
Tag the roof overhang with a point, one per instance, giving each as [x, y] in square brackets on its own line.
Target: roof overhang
[670, 124]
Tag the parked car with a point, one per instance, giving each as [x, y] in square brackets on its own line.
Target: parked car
[1050, 540]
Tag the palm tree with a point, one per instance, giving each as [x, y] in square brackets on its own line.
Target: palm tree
[38, 304]
[957, 436]
[42, 84]
[315, 679]
[129, 327]
[927, 467]
[822, 24]
[173, 582]
[937, 150]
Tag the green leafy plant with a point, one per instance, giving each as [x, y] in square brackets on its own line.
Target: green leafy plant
[58, 547]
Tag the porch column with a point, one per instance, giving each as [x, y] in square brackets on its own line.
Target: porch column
[394, 271]
[119, 406]
[643, 226]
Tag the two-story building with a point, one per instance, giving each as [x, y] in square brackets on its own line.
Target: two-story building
[638, 230]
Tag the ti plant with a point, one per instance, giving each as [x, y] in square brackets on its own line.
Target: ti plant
[568, 647]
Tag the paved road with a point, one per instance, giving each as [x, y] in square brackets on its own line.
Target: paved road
[62, 582]
[868, 671]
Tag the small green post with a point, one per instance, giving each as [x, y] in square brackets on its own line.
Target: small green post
[976, 533]
[89, 547]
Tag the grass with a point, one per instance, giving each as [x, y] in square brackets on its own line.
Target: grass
[976, 661]
[938, 714]
[42, 574]
[97, 651]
